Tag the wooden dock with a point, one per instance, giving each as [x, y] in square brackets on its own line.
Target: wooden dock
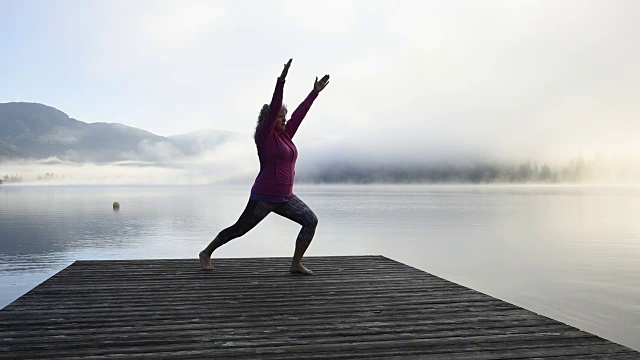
[354, 307]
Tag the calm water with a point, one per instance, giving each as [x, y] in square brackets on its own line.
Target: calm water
[571, 253]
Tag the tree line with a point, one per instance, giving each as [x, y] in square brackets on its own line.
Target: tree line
[17, 178]
[576, 171]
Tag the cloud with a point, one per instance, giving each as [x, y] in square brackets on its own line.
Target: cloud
[157, 150]
[173, 26]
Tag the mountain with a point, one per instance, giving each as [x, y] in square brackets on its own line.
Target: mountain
[37, 131]
[9, 151]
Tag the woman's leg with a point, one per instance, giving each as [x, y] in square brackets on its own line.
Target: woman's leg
[253, 213]
[296, 210]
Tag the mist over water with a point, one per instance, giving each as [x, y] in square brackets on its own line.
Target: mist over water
[236, 162]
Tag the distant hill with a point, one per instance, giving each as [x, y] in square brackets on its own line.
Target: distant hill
[9, 151]
[36, 131]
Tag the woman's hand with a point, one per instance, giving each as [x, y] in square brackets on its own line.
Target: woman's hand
[320, 85]
[285, 71]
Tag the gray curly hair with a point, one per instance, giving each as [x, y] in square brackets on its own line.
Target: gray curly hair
[263, 114]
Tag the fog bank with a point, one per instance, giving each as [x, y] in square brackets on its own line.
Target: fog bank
[235, 162]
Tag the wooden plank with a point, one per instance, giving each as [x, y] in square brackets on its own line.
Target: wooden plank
[354, 307]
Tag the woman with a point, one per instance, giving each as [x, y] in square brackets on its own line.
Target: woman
[273, 187]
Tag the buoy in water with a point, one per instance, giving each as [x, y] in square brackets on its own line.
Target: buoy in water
[116, 205]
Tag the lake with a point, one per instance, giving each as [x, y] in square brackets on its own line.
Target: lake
[571, 253]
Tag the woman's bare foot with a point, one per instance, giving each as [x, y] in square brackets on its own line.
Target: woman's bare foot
[205, 261]
[300, 269]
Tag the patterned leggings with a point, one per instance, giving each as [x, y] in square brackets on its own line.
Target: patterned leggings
[255, 211]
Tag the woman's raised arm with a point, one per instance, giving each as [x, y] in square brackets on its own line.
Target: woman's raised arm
[302, 109]
[269, 123]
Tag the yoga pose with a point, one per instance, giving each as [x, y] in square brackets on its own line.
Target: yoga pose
[273, 187]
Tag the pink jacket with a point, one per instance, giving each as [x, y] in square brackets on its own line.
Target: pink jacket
[276, 152]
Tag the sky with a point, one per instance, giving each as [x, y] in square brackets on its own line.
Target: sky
[500, 80]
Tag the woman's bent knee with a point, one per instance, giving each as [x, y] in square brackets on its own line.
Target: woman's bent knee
[311, 220]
